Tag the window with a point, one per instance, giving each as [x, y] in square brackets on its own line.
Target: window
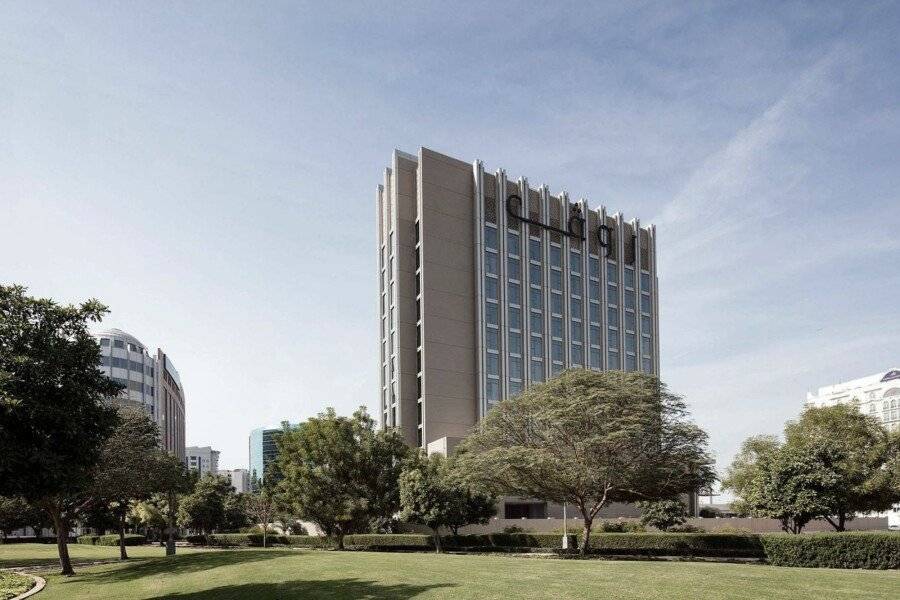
[534, 274]
[577, 355]
[104, 341]
[629, 300]
[492, 390]
[575, 283]
[612, 315]
[512, 244]
[490, 288]
[514, 267]
[537, 322]
[555, 256]
[534, 249]
[612, 358]
[612, 272]
[645, 303]
[630, 362]
[595, 312]
[629, 342]
[515, 318]
[118, 344]
[491, 313]
[645, 345]
[492, 339]
[514, 291]
[555, 280]
[515, 388]
[594, 266]
[629, 277]
[595, 359]
[612, 294]
[536, 298]
[575, 262]
[490, 263]
[537, 347]
[645, 282]
[556, 303]
[490, 237]
[556, 327]
[575, 306]
[594, 333]
[515, 367]
[646, 325]
[612, 339]
[493, 364]
[629, 320]
[556, 351]
[537, 370]
[577, 332]
[515, 342]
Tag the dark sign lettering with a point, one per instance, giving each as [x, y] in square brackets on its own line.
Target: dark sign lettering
[891, 375]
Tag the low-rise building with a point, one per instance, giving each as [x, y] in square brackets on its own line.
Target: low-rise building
[239, 479]
[203, 459]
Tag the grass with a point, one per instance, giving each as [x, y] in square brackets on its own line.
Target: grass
[307, 574]
[29, 555]
[13, 584]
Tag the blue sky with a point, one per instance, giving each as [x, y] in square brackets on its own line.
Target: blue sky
[209, 169]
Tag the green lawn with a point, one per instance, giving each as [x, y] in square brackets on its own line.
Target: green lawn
[21, 555]
[305, 574]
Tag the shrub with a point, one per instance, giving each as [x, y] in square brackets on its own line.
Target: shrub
[678, 544]
[513, 529]
[234, 540]
[685, 528]
[710, 512]
[131, 539]
[620, 527]
[847, 550]
[390, 541]
[507, 540]
[90, 540]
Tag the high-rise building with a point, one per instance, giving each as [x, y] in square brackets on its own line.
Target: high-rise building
[876, 395]
[202, 459]
[263, 452]
[239, 479]
[488, 284]
[151, 383]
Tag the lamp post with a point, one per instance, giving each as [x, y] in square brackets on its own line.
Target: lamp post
[565, 540]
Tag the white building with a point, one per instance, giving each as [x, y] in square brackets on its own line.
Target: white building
[239, 478]
[203, 459]
[876, 395]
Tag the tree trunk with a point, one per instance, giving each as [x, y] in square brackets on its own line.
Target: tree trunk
[340, 540]
[265, 530]
[62, 543]
[586, 538]
[437, 540]
[123, 555]
[170, 540]
[842, 521]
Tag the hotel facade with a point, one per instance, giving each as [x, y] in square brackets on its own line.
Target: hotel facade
[488, 284]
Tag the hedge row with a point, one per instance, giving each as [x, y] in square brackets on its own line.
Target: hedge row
[848, 550]
[678, 544]
[131, 539]
[851, 550]
[256, 540]
[508, 540]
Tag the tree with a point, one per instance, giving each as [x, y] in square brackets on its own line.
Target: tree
[235, 516]
[589, 439]
[261, 508]
[432, 494]
[127, 468]
[862, 454]
[204, 509]
[54, 416]
[174, 480]
[663, 514]
[12, 515]
[777, 481]
[339, 473]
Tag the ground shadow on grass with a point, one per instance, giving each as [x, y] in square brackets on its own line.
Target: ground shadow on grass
[330, 589]
[179, 564]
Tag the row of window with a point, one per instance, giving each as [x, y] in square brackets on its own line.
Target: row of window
[120, 344]
[124, 363]
[135, 386]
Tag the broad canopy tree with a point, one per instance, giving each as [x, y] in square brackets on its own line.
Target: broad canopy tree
[589, 439]
[834, 463]
[53, 415]
[204, 508]
[339, 473]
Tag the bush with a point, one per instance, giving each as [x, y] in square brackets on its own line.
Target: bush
[685, 528]
[131, 539]
[390, 541]
[513, 529]
[507, 540]
[234, 540]
[620, 527]
[847, 550]
[678, 544]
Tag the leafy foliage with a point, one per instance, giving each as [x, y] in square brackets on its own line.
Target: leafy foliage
[849, 550]
[204, 508]
[590, 439]
[663, 514]
[12, 515]
[339, 473]
[677, 544]
[54, 417]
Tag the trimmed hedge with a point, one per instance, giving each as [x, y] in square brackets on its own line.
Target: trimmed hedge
[131, 539]
[847, 550]
[678, 544]
[232, 540]
[508, 540]
[390, 541]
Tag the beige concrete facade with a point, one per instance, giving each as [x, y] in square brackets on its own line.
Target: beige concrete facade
[487, 284]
